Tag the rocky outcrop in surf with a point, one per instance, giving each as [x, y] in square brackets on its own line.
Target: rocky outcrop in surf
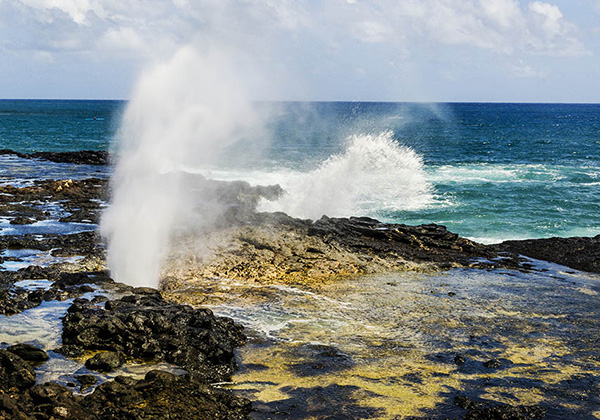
[579, 253]
[274, 247]
[82, 157]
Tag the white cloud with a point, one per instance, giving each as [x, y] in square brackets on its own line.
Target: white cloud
[500, 25]
[552, 34]
[504, 13]
[521, 69]
[291, 39]
[373, 31]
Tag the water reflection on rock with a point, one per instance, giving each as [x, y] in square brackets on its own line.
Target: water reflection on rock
[407, 344]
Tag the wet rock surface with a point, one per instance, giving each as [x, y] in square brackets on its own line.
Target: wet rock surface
[145, 326]
[15, 372]
[160, 395]
[28, 352]
[105, 361]
[578, 253]
[486, 410]
[274, 247]
[14, 300]
[261, 247]
[72, 200]
[87, 157]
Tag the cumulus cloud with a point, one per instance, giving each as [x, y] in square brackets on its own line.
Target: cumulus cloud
[553, 35]
[293, 39]
[502, 25]
[499, 25]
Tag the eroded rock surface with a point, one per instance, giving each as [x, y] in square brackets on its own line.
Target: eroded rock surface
[160, 395]
[274, 247]
[144, 326]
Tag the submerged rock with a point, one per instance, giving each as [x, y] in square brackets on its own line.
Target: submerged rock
[145, 326]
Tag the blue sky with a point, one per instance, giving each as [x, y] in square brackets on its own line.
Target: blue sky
[382, 50]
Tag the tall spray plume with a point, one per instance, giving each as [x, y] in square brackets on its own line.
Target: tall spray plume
[183, 112]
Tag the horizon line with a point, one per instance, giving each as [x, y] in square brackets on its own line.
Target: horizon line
[334, 101]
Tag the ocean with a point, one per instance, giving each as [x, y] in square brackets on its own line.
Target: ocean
[383, 345]
[487, 171]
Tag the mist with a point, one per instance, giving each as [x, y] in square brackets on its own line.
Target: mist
[183, 112]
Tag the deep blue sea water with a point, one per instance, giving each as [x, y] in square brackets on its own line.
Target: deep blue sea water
[487, 171]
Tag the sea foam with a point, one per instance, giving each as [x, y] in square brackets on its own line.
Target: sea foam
[374, 173]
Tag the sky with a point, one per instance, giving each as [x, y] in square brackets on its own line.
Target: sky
[307, 50]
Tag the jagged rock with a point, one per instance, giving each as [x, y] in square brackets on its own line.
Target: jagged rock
[492, 364]
[274, 247]
[15, 372]
[145, 326]
[488, 410]
[164, 395]
[86, 381]
[20, 220]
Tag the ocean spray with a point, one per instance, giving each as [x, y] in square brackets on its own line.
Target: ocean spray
[374, 173]
[182, 113]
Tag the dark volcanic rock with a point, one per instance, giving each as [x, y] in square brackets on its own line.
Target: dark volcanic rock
[86, 381]
[492, 364]
[28, 352]
[162, 395]
[15, 372]
[89, 157]
[487, 410]
[105, 361]
[145, 326]
[578, 253]
[20, 220]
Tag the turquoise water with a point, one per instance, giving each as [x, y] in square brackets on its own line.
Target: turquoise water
[487, 171]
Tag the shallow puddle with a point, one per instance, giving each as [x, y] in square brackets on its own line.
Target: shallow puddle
[41, 326]
[15, 259]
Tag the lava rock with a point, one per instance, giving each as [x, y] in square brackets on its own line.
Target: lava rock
[506, 412]
[20, 220]
[492, 364]
[105, 361]
[15, 372]
[488, 410]
[88, 157]
[164, 395]
[579, 253]
[86, 381]
[28, 352]
[460, 359]
[145, 326]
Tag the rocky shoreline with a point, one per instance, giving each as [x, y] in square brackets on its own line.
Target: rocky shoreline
[108, 324]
